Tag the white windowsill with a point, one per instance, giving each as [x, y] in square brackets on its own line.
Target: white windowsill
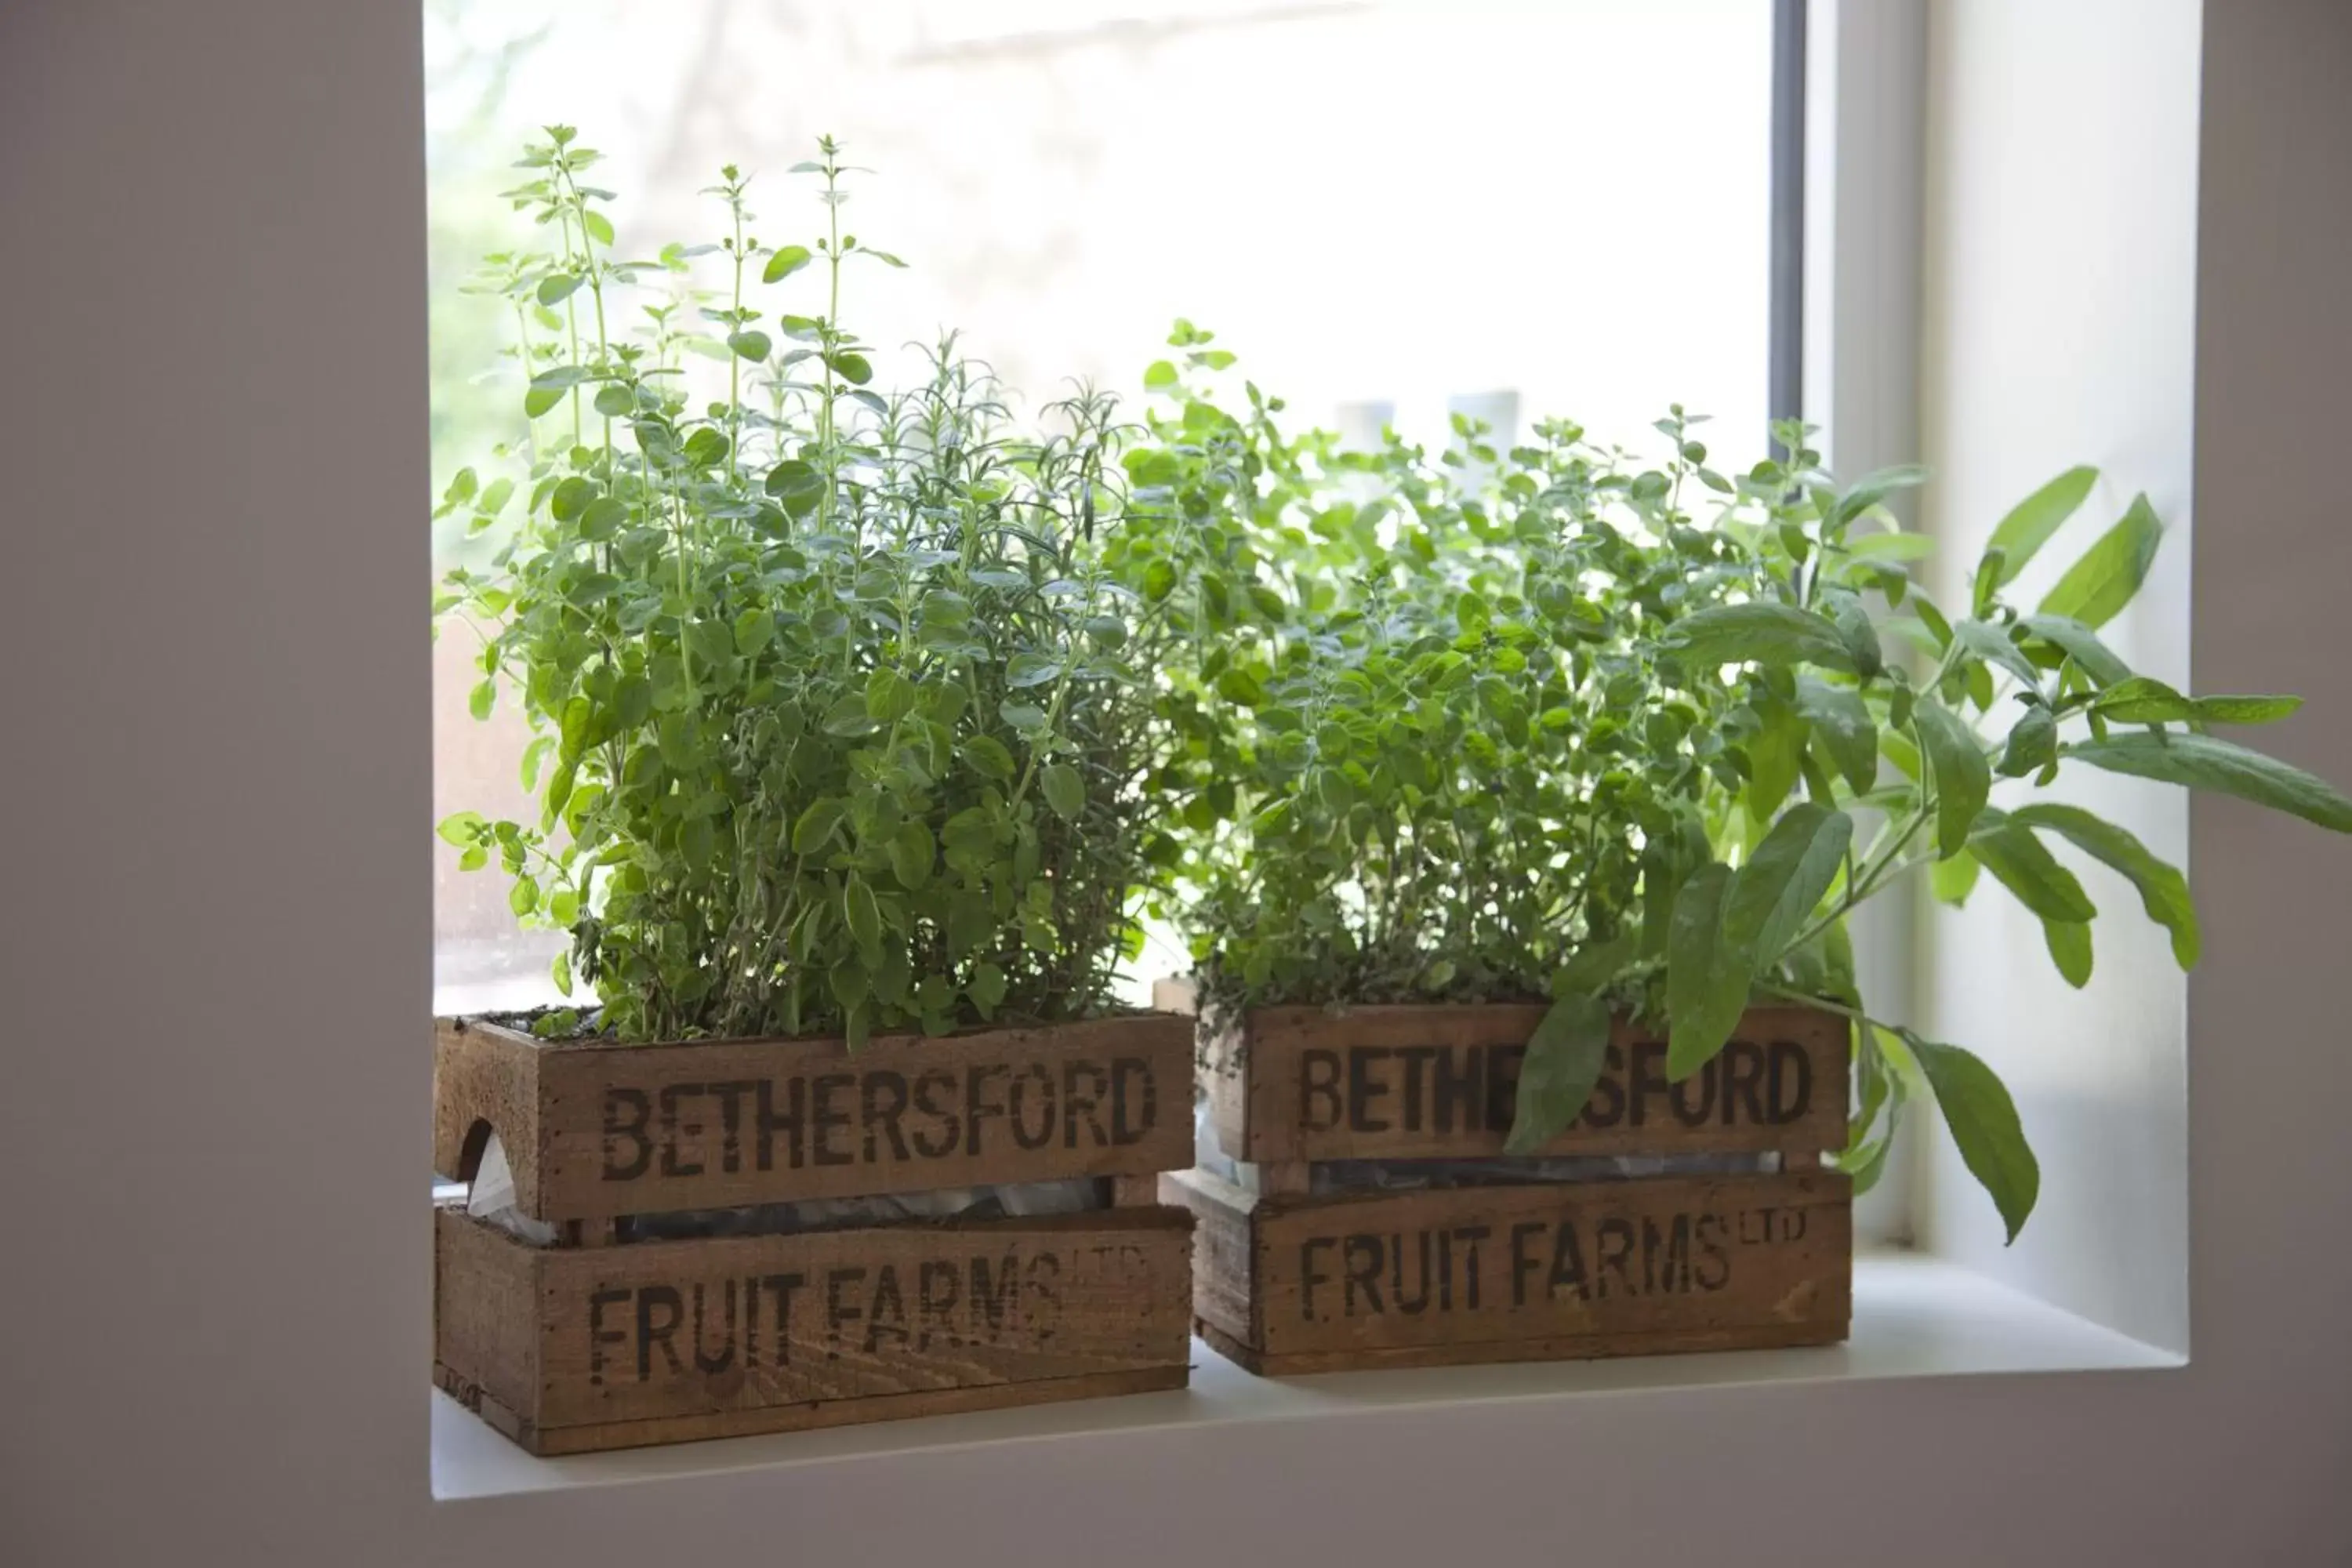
[1915, 1316]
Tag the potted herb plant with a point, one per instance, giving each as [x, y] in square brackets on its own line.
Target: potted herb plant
[843, 763]
[1522, 946]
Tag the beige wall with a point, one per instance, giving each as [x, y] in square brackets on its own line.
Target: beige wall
[2059, 309]
[216, 952]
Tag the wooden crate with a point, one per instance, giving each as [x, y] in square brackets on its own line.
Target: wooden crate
[1287, 1282]
[605, 1342]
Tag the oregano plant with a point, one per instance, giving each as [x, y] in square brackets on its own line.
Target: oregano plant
[842, 715]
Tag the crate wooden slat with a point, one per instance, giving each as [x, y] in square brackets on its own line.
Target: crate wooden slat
[1287, 1282]
[571, 1349]
[604, 1341]
[594, 1130]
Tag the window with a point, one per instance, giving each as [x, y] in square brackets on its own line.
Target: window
[1393, 214]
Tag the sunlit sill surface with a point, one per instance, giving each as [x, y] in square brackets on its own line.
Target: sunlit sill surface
[1915, 1316]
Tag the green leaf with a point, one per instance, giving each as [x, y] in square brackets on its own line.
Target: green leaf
[1961, 777]
[2032, 744]
[1025, 716]
[1564, 1060]
[561, 973]
[2081, 644]
[1762, 631]
[912, 852]
[1990, 643]
[1954, 879]
[2104, 581]
[2070, 949]
[852, 367]
[1708, 976]
[1775, 755]
[1983, 1120]
[2021, 535]
[986, 988]
[523, 896]
[1842, 729]
[2142, 701]
[2163, 890]
[2224, 767]
[751, 344]
[2021, 863]
[558, 287]
[1065, 791]
[460, 828]
[817, 825]
[1027, 669]
[1159, 375]
[890, 696]
[1854, 625]
[987, 755]
[479, 700]
[787, 260]
[864, 918]
[1773, 896]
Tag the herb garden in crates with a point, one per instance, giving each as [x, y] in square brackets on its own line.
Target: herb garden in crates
[1516, 801]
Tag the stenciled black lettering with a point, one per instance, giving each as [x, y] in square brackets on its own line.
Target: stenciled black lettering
[599, 1336]
[824, 1118]
[650, 1333]
[993, 1299]
[1612, 1252]
[1415, 1060]
[1644, 1079]
[1712, 1270]
[1470, 1235]
[633, 1100]
[1361, 1258]
[673, 1127]
[977, 1107]
[881, 1102]
[1363, 1088]
[730, 1097]
[1417, 1302]
[1521, 1264]
[1743, 1081]
[885, 1313]
[1790, 1080]
[1134, 1100]
[1567, 1264]
[938, 1289]
[704, 1362]
[1693, 1100]
[782, 1287]
[1502, 1086]
[937, 1142]
[1320, 1105]
[788, 1122]
[1457, 1082]
[1310, 1275]
[1085, 1101]
[1017, 1103]
[839, 1310]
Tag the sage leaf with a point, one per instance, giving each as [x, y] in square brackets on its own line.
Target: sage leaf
[2081, 644]
[1954, 879]
[1961, 777]
[2223, 767]
[2021, 535]
[1707, 977]
[2070, 949]
[1842, 729]
[1563, 1061]
[2103, 580]
[2032, 744]
[1985, 1127]
[2163, 890]
[1772, 897]
[2023, 864]
[1764, 632]
[1992, 644]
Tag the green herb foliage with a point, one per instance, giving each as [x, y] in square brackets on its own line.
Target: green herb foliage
[839, 723]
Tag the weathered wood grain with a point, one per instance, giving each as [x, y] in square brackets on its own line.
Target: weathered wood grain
[1440, 1082]
[595, 1130]
[660, 1341]
[1529, 1271]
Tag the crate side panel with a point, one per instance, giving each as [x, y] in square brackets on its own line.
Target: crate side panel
[671, 1329]
[1677, 1255]
[1225, 1246]
[484, 1311]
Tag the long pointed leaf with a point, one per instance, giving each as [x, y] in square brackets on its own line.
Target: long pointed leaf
[1962, 777]
[1707, 977]
[2224, 767]
[1983, 1119]
[2109, 573]
[1565, 1056]
[1773, 896]
[2163, 890]
[2031, 521]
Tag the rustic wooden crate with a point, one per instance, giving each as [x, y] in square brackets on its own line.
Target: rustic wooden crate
[604, 1341]
[1286, 1281]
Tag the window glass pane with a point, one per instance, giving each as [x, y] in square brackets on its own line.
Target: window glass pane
[1391, 213]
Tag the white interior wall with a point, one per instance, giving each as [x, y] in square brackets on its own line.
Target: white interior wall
[2059, 314]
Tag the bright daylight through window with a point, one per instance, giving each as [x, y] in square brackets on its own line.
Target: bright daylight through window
[1392, 215]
